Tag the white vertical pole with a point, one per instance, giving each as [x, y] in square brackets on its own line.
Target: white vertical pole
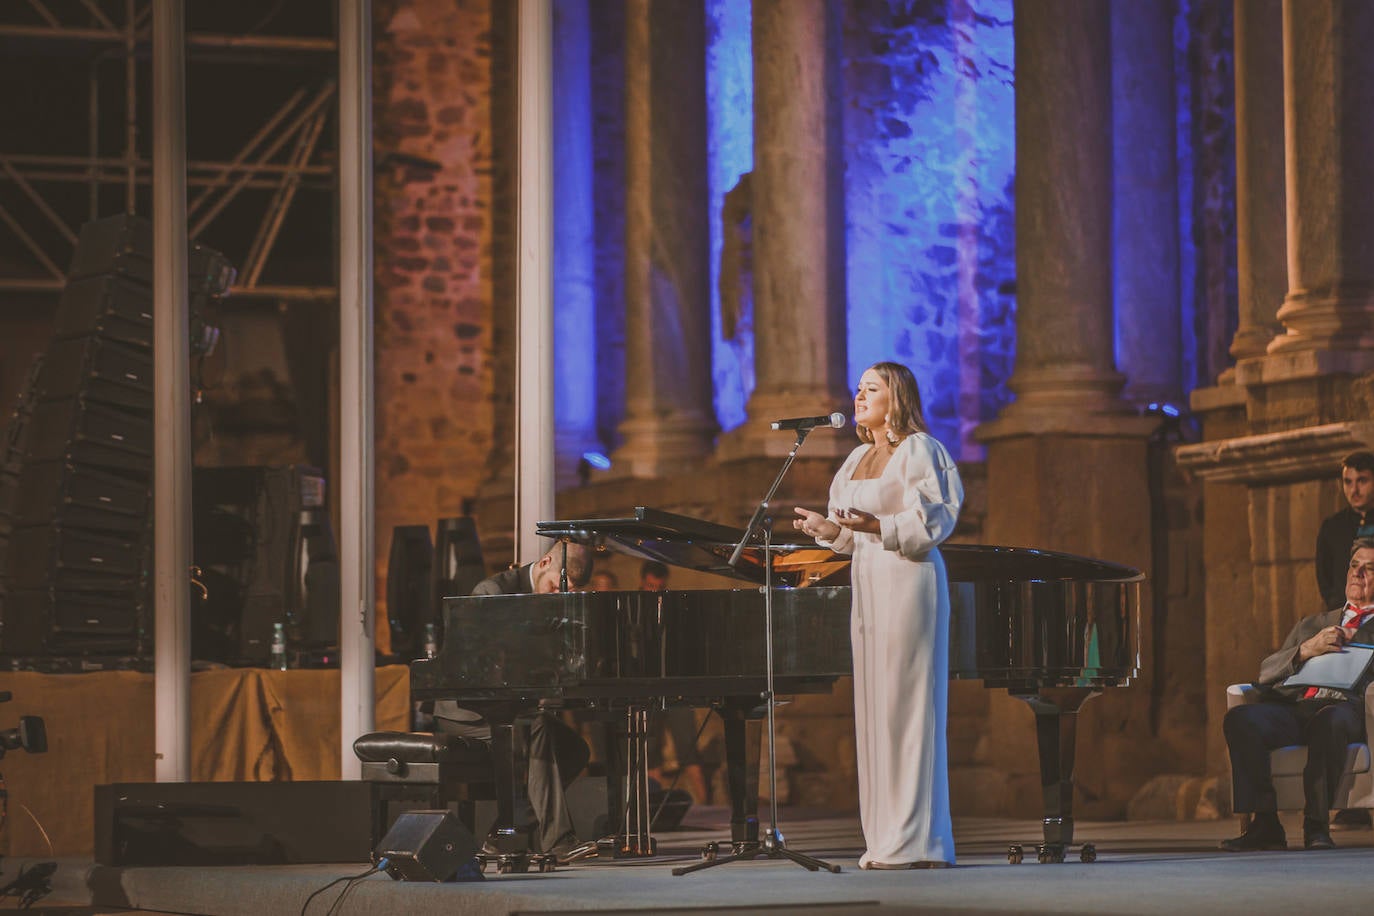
[356, 509]
[171, 401]
[534, 427]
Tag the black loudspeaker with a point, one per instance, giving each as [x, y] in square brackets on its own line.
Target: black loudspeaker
[39, 621]
[100, 370]
[316, 571]
[458, 565]
[263, 538]
[409, 588]
[108, 306]
[84, 432]
[55, 492]
[426, 846]
[115, 245]
[232, 823]
[75, 558]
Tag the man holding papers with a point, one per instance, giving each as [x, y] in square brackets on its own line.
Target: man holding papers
[1294, 711]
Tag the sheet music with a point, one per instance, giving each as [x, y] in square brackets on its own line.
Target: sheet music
[1338, 670]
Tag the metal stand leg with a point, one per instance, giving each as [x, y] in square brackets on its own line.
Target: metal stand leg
[772, 845]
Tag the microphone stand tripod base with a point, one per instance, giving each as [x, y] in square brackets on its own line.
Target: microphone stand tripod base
[770, 846]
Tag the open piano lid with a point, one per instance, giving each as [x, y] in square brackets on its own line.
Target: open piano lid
[689, 543]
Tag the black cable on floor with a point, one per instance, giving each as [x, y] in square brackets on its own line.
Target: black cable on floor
[381, 864]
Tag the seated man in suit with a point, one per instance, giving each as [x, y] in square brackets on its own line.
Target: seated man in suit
[1324, 719]
[557, 754]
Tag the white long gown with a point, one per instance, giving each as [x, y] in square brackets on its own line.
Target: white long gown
[899, 627]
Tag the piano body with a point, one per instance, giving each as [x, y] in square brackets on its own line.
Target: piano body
[1051, 628]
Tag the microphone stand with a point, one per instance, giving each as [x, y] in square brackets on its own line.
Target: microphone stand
[771, 845]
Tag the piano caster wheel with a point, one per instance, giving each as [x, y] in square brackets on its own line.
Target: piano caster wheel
[710, 851]
[544, 863]
[517, 863]
[1014, 854]
[1047, 853]
[1088, 853]
[482, 862]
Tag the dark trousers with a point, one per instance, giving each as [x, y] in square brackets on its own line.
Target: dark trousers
[557, 754]
[1325, 726]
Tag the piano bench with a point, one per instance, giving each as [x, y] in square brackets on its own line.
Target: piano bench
[433, 770]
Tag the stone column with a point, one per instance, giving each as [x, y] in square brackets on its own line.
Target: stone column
[1329, 97]
[669, 420]
[1145, 264]
[1261, 242]
[1065, 377]
[1067, 463]
[798, 230]
[574, 242]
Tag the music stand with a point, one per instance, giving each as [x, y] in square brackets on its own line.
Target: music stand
[771, 845]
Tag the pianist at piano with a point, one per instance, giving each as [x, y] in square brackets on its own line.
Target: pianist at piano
[892, 502]
[557, 754]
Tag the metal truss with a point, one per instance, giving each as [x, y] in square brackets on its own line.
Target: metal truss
[244, 200]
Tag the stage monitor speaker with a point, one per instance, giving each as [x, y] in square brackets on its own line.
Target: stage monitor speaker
[409, 587]
[232, 823]
[458, 565]
[426, 846]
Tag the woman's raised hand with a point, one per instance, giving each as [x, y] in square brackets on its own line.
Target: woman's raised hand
[815, 525]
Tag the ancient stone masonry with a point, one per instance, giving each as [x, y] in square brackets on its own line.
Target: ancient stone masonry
[435, 236]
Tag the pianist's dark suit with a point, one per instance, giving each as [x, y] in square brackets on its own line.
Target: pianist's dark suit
[1326, 726]
[556, 752]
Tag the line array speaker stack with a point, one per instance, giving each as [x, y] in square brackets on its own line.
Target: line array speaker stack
[77, 564]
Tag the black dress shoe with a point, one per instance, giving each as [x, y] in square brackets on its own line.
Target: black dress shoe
[1317, 839]
[1262, 834]
[1351, 819]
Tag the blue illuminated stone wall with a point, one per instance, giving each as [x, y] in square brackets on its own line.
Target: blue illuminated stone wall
[928, 121]
[930, 145]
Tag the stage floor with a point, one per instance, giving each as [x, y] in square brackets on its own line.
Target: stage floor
[1142, 867]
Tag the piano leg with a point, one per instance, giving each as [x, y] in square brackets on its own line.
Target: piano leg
[742, 739]
[1056, 725]
[509, 766]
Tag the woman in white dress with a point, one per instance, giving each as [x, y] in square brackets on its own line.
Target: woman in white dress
[895, 498]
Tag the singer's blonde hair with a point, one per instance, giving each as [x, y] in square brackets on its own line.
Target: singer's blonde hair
[904, 415]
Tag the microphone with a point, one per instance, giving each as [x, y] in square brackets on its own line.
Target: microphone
[835, 421]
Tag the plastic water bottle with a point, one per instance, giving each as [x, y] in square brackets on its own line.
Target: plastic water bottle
[431, 641]
[279, 646]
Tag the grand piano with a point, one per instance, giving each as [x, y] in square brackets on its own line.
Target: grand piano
[1051, 628]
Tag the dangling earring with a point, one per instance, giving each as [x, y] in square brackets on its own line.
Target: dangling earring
[893, 437]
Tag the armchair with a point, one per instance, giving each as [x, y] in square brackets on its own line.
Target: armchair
[1356, 788]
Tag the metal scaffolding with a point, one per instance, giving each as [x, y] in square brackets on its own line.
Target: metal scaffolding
[290, 151]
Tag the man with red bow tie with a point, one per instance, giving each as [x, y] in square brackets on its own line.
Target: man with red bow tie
[1325, 720]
